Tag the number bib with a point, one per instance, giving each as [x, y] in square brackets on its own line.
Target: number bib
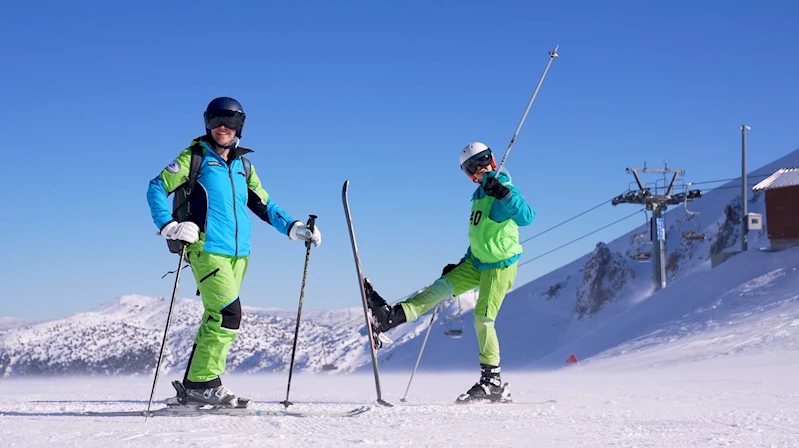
[491, 241]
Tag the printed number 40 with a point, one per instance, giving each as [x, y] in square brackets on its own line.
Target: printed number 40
[475, 218]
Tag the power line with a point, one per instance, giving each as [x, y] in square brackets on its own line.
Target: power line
[714, 181]
[727, 180]
[581, 237]
[733, 186]
[566, 221]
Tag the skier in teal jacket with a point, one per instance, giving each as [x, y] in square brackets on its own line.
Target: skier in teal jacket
[490, 263]
[217, 232]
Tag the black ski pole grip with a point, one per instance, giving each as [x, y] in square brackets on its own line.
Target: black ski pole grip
[310, 224]
[311, 221]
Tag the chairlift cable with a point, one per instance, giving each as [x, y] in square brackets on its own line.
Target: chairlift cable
[608, 225]
[580, 238]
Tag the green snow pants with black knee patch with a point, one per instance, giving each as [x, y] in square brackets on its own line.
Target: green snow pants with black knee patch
[218, 279]
[494, 283]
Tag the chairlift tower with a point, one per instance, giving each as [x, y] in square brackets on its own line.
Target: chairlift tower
[657, 202]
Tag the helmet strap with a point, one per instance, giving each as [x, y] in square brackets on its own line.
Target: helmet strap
[214, 143]
[233, 145]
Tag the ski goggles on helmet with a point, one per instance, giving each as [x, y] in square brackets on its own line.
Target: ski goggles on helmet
[231, 119]
[477, 161]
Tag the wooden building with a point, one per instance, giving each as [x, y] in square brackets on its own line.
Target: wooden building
[782, 207]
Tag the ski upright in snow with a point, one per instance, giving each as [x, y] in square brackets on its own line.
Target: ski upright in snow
[373, 338]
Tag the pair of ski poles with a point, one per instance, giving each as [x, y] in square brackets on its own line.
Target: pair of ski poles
[286, 402]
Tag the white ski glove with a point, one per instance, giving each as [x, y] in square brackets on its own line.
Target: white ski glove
[300, 231]
[185, 231]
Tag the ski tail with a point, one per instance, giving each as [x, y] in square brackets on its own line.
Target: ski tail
[373, 340]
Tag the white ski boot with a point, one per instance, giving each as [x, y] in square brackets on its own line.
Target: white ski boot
[216, 397]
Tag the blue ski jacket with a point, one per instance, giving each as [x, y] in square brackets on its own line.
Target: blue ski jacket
[218, 201]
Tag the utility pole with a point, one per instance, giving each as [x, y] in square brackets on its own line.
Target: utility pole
[657, 204]
[744, 195]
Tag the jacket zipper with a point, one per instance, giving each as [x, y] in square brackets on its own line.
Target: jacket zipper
[235, 214]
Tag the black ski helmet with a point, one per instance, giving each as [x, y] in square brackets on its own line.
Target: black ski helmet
[227, 111]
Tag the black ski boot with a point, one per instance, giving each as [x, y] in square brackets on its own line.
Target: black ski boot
[384, 316]
[488, 390]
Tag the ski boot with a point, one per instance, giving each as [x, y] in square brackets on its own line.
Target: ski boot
[488, 390]
[384, 316]
[215, 397]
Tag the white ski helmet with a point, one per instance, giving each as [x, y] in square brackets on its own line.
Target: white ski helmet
[475, 155]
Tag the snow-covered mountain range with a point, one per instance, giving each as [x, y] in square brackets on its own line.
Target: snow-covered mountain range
[598, 306]
[124, 337]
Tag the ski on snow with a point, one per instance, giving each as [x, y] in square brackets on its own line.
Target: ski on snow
[178, 406]
[192, 411]
[373, 339]
[479, 403]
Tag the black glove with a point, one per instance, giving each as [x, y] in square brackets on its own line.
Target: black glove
[493, 188]
[448, 268]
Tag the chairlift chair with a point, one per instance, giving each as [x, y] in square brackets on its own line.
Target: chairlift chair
[692, 219]
[642, 250]
[453, 324]
[693, 233]
[327, 366]
[642, 245]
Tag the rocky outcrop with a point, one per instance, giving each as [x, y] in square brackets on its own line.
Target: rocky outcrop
[604, 276]
[554, 290]
[727, 234]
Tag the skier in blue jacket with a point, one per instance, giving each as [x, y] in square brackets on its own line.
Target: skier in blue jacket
[217, 232]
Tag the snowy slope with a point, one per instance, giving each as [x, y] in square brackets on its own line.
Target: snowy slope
[744, 401]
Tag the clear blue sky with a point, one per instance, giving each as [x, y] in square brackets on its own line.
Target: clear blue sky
[100, 96]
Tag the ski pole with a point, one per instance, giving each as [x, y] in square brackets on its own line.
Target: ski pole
[166, 330]
[311, 221]
[552, 55]
[424, 342]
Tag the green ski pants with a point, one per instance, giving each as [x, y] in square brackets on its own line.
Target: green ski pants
[494, 283]
[218, 279]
